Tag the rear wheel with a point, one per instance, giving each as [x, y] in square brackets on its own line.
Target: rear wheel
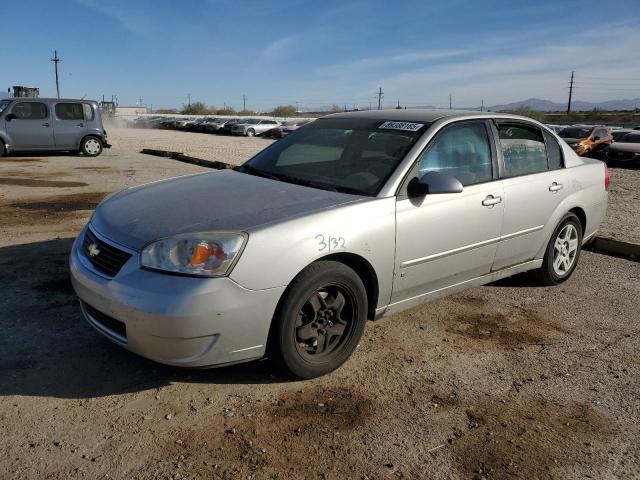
[320, 320]
[563, 251]
[91, 146]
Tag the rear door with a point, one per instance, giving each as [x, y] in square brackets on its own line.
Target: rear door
[69, 124]
[29, 126]
[535, 183]
[445, 239]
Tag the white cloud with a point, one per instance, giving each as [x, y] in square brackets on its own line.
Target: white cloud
[279, 48]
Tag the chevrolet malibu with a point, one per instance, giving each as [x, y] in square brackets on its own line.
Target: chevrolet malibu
[350, 218]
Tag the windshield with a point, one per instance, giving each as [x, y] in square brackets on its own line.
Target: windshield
[630, 138]
[345, 155]
[4, 104]
[575, 132]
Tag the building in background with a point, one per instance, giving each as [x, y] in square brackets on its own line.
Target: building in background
[22, 91]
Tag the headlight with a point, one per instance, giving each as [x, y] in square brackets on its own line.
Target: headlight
[209, 254]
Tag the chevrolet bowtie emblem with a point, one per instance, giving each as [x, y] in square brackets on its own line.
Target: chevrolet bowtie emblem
[94, 251]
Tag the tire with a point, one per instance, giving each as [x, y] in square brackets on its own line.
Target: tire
[251, 132]
[563, 252]
[91, 146]
[319, 321]
[3, 149]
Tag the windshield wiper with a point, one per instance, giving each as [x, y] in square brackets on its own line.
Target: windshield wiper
[259, 173]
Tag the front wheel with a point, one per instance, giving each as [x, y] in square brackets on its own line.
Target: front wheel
[563, 251]
[251, 132]
[91, 146]
[3, 149]
[320, 320]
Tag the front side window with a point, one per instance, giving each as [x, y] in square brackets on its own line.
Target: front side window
[30, 111]
[461, 151]
[344, 155]
[523, 149]
[4, 104]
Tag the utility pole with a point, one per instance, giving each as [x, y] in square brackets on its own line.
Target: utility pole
[244, 103]
[570, 94]
[55, 61]
[449, 101]
[380, 95]
[398, 107]
[140, 101]
[482, 106]
[189, 98]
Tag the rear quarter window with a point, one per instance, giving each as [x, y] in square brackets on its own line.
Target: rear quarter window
[554, 154]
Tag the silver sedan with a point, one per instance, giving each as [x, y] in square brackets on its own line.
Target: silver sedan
[350, 218]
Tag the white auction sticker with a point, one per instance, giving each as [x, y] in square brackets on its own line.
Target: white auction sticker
[407, 126]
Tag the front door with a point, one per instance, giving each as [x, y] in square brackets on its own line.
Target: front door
[446, 239]
[28, 126]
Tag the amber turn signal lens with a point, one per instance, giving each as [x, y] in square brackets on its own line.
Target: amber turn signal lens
[203, 252]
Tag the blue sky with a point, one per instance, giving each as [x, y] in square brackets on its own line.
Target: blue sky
[323, 52]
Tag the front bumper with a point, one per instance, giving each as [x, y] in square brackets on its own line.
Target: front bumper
[175, 320]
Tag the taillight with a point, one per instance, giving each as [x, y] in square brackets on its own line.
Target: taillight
[607, 179]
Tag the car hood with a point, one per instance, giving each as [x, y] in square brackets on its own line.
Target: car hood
[625, 147]
[225, 200]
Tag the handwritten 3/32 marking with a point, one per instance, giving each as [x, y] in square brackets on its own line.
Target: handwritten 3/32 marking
[329, 242]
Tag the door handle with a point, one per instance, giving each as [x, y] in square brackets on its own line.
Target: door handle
[555, 186]
[45, 124]
[490, 201]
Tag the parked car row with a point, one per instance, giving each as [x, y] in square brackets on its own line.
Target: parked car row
[248, 127]
[619, 145]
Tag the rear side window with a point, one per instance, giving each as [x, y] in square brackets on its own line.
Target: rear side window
[69, 111]
[554, 154]
[30, 110]
[461, 151]
[523, 149]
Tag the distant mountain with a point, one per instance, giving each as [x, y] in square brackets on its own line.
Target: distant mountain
[549, 106]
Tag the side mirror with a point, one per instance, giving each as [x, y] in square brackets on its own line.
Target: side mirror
[10, 116]
[434, 182]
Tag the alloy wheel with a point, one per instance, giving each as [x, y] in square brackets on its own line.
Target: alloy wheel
[565, 249]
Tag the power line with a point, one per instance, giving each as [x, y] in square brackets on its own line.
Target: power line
[55, 61]
[570, 94]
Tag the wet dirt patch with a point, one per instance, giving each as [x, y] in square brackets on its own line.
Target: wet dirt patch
[531, 438]
[273, 441]
[48, 210]
[20, 160]
[93, 169]
[30, 182]
[64, 203]
[508, 327]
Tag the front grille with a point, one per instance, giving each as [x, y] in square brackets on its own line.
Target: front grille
[104, 257]
[111, 324]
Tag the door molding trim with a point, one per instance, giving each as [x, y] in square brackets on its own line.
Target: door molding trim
[457, 287]
[436, 256]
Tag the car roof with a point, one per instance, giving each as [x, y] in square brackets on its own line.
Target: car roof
[412, 115]
[38, 99]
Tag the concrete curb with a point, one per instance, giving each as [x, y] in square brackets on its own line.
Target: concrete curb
[187, 159]
[616, 248]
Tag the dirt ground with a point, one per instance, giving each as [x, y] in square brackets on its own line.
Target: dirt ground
[506, 381]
